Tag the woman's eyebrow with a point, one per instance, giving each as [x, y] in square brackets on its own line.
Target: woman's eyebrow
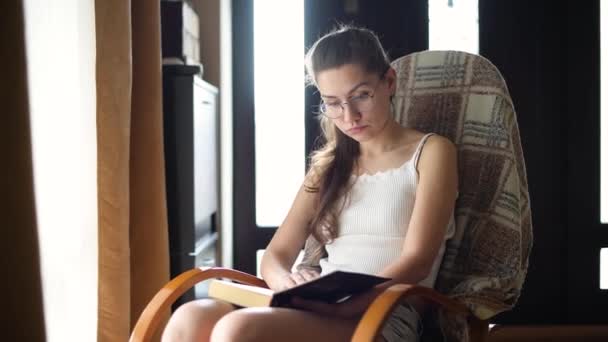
[350, 91]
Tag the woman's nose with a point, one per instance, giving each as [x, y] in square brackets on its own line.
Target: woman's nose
[351, 113]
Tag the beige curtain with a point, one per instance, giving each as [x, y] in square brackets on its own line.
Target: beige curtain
[133, 243]
[21, 289]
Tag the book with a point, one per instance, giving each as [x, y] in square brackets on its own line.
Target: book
[330, 288]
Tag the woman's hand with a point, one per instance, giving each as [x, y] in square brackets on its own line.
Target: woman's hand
[290, 280]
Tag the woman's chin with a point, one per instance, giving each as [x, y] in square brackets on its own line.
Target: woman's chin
[359, 137]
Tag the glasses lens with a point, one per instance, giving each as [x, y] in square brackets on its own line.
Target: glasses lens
[363, 103]
[334, 112]
[330, 111]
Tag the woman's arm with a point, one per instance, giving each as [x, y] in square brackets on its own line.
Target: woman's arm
[434, 206]
[287, 242]
[435, 198]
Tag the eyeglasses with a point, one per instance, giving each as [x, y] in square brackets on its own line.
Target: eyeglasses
[361, 103]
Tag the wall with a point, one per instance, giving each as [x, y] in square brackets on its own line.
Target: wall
[215, 18]
[60, 48]
[226, 123]
[209, 29]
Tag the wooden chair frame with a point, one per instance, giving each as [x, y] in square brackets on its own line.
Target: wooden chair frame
[367, 330]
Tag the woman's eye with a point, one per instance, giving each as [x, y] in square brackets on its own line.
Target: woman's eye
[362, 96]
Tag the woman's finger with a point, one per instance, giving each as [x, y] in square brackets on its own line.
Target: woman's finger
[309, 275]
[298, 278]
[286, 283]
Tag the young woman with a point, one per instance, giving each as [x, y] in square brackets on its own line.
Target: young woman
[378, 196]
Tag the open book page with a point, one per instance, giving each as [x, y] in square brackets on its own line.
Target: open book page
[240, 294]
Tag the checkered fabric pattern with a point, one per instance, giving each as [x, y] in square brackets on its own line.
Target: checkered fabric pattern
[464, 98]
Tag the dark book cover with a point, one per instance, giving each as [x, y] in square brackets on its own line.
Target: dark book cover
[330, 288]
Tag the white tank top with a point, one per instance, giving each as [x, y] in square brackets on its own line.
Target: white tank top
[375, 219]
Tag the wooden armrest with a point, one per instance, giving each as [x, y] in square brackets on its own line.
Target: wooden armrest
[376, 314]
[151, 316]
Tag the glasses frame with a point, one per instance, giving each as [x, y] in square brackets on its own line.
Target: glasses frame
[323, 105]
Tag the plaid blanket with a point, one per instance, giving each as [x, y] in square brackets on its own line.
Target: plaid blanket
[463, 97]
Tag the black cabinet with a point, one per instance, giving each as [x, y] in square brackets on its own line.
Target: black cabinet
[190, 119]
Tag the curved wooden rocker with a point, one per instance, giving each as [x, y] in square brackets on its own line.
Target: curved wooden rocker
[367, 330]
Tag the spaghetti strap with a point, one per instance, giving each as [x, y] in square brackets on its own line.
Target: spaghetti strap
[419, 149]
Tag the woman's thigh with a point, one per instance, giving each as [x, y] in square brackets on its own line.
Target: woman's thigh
[278, 324]
[193, 321]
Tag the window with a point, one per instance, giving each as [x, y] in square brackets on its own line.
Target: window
[604, 268]
[62, 102]
[279, 107]
[454, 25]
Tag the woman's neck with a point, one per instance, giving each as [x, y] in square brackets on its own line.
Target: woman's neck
[390, 137]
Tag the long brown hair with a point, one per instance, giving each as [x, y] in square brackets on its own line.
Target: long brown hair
[331, 166]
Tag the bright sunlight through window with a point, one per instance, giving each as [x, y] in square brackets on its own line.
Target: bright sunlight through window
[279, 107]
[454, 25]
[604, 113]
[604, 268]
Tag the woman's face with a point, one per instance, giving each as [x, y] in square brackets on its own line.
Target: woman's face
[357, 102]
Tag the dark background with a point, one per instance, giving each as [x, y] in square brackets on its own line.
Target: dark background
[548, 53]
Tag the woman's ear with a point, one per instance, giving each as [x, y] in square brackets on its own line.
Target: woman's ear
[391, 79]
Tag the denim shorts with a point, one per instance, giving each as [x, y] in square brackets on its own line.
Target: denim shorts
[404, 324]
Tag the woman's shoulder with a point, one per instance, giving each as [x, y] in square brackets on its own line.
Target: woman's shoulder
[439, 141]
[437, 150]
[415, 137]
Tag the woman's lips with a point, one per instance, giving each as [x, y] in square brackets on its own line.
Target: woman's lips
[356, 130]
